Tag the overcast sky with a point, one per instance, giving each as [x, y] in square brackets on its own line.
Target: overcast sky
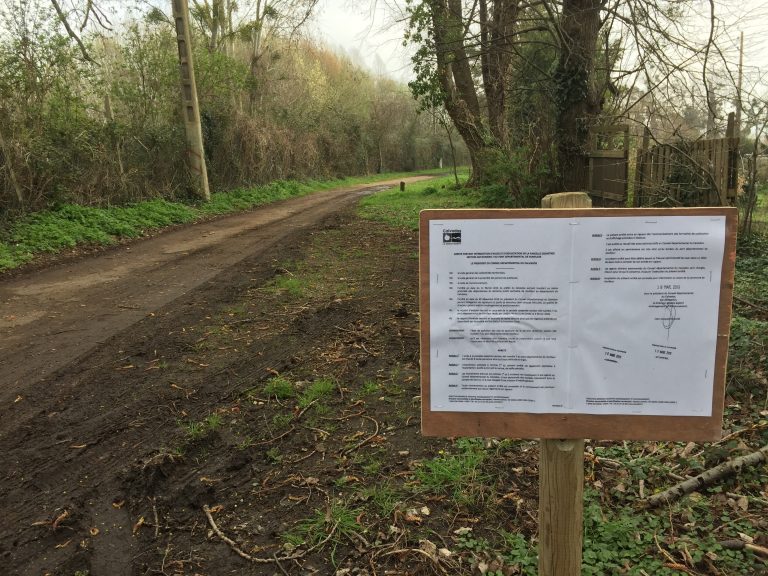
[366, 31]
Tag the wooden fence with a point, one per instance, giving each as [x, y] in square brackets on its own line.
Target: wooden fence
[608, 158]
[701, 173]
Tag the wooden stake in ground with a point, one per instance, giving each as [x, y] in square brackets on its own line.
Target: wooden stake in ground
[191, 109]
[561, 474]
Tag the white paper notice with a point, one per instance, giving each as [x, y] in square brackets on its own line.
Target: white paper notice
[593, 315]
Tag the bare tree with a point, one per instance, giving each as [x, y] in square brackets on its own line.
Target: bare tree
[626, 58]
[90, 12]
[454, 39]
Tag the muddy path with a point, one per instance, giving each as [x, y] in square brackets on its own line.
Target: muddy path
[262, 419]
[50, 317]
[109, 361]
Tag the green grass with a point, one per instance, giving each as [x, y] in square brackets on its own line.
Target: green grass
[760, 213]
[458, 474]
[402, 208]
[751, 266]
[748, 348]
[71, 225]
[245, 198]
[338, 523]
[280, 388]
[318, 390]
[290, 285]
[369, 387]
[213, 422]
[281, 421]
[195, 430]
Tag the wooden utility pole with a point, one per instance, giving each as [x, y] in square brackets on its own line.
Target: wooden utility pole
[191, 109]
[738, 87]
[561, 474]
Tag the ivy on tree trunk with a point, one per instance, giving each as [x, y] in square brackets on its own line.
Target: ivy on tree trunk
[577, 101]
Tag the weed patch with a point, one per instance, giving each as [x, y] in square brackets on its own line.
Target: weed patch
[317, 391]
[195, 430]
[337, 525]
[459, 475]
[280, 388]
[290, 285]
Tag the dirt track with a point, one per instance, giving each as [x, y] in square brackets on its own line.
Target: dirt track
[49, 318]
[158, 406]
[83, 416]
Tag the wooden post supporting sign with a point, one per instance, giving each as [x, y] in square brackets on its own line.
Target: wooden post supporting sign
[561, 474]
[561, 492]
[524, 334]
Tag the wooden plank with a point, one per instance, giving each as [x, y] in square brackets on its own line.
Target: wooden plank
[733, 169]
[638, 183]
[713, 161]
[613, 129]
[721, 170]
[609, 195]
[607, 154]
[561, 507]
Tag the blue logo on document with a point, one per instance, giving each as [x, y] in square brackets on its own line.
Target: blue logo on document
[451, 236]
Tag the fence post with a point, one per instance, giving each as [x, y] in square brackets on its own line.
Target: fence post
[561, 474]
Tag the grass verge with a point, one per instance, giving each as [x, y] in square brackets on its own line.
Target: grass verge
[401, 208]
[70, 225]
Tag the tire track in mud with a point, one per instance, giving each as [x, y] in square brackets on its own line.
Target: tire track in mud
[50, 317]
[76, 425]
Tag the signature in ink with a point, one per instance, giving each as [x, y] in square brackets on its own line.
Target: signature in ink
[669, 318]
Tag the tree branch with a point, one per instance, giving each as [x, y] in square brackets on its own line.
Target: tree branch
[708, 477]
[71, 33]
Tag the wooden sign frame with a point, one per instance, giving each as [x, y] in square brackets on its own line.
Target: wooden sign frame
[548, 425]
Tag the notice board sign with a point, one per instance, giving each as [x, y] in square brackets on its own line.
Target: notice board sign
[579, 323]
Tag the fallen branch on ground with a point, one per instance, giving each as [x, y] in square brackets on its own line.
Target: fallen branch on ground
[365, 440]
[737, 544]
[708, 477]
[274, 559]
[751, 304]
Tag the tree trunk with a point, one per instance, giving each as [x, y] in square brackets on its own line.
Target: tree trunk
[11, 173]
[497, 51]
[751, 188]
[576, 99]
[485, 144]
